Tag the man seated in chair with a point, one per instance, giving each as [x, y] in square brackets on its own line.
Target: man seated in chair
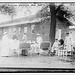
[61, 45]
[32, 48]
[55, 47]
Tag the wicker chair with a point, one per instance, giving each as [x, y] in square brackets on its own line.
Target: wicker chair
[62, 49]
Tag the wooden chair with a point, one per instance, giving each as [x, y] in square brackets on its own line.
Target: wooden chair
[63, 52]
[62, 49]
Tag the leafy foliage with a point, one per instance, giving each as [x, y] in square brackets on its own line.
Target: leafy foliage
[7, 10]
[61, 11]
[44, 12]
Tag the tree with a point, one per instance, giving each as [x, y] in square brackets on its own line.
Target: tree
[53, 23]
[60, 12]
[8, 10]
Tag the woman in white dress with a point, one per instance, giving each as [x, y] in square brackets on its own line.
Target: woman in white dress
[24, 37]
[39, 41]
[5, 45]
[55, 47]
[68, 43]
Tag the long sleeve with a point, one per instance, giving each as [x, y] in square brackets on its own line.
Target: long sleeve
[65, 42]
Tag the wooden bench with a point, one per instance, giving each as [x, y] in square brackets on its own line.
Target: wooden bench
[24, 48]
[45, 45]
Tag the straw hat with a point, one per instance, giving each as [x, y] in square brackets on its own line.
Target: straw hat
[38, 34]
[5, 33]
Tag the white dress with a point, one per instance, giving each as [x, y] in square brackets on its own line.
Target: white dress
[39, 41]
[5, 46]
[55, 46]
[15, 45]
[24, 38]
[68, 43]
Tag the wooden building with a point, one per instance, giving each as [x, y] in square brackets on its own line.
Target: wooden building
[32, 26]
[29, 25]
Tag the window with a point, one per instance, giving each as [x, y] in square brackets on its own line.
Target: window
[19, 29]
[32, 29]
[4, 30]
[0, 31]
[25, 29]
[14, 30]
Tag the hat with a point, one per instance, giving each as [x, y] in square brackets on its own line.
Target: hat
[24, 33]
[5, 33]
[56, 39]
[38, 34]
[67, 33]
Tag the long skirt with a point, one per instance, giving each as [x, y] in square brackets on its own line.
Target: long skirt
[5, 50]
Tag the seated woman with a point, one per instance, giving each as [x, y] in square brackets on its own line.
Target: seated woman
[33, 50]
[61, 45]
[55, 47]
[15, 46]
[61, 48]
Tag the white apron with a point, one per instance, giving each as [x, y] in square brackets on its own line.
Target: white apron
[5, 46]
[55, 46]
[15, 46]
[68, 43]
[39, 41]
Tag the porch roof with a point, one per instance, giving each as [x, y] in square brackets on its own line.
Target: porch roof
[23, 20]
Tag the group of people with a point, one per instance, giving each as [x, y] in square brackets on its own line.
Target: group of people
[12, 45]
[9, 46]
[36, 46]
[61, 44]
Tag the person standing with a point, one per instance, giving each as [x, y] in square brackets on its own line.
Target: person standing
[39, 41]
[15, 43]
[14, 35]
[68, 43]
[24, 45]
[72, 42]
[16, 46]
[24, 37]
[5, 45]
[55, 47]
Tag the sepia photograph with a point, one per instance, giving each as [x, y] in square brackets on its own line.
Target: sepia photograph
[37, 37]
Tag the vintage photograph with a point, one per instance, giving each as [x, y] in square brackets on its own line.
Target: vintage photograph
[37, 36]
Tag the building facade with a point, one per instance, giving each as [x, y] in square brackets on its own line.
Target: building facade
[33, 28]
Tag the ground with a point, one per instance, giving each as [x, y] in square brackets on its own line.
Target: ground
[37, 61]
